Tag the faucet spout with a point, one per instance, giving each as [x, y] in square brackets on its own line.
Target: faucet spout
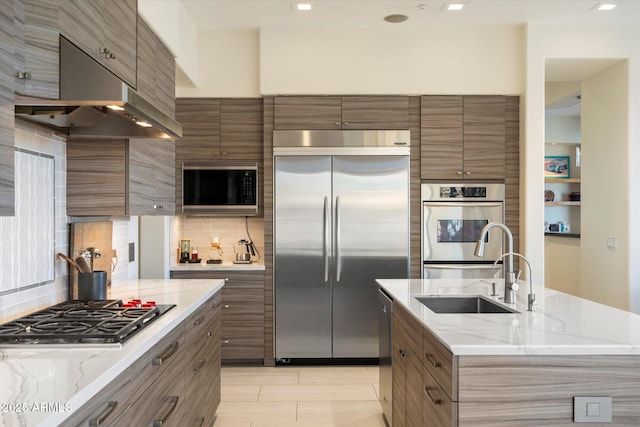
[509, 275]
[531, 300]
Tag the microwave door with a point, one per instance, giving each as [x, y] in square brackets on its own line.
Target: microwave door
[451, 229]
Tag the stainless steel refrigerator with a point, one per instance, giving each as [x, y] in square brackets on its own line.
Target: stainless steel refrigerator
[341, 220]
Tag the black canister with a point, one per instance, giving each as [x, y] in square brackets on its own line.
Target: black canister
[92, 286]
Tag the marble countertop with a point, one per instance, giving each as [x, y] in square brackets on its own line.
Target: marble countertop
[225, 265]
[562, 324]
[43, 385]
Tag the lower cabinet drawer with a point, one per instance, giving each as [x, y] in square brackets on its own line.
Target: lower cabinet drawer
[164, 402]
[437, 408]
[242, 341]
[109, 408]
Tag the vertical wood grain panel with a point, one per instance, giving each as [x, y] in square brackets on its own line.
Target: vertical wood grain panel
[120, 30]
[512, 169]
[415, 204]
[7, 131]
[268, 111]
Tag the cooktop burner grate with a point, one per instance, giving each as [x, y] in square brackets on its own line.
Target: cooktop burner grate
[80, 322]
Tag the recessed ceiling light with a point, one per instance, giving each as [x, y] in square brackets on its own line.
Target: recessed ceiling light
[605, 6]
[303, 6]
[396, 19]
[454, 7]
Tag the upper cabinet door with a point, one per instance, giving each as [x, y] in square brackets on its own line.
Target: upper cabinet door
[307, 112]
[200, 119]
[156, 70]
[375, 112]
[151, 177]
[37, 48]
[441, 137]
[241, 129]
[106, 31]
[336, 112]
[484, 137]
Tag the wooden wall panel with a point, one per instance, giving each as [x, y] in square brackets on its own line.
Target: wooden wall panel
[268, 111]
[512, 171]
[415, 204]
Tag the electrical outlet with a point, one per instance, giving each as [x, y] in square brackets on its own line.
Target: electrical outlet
[132, 252]
[592, 409]
[612, 242]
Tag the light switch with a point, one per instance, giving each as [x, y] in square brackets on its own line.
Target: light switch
[592, 409]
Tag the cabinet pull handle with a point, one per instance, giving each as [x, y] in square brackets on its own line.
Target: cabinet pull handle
[200, 421]
[216, 304]
[225, 341]
[467, 173]
[226, 306]
[199, 365]
[434, 401]
[346, 123]
[459, 173]
[174, 403]
[23, 75]
[403, 353]
[337, 124]
[198, 321]
[432, 360]
[173, 347]
[102, 417]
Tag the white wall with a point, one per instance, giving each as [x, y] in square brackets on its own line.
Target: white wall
[604, 209]
[173, 25]
[545, 41]
[228, 64]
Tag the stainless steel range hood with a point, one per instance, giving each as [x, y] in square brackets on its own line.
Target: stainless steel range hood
[94, 103]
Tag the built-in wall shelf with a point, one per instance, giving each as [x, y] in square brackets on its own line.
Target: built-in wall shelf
[563, 203]
[561, 180]
[558, 234]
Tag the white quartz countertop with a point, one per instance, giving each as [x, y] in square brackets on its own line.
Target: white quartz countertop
[562, 324]
[224, 266]
[43, 385]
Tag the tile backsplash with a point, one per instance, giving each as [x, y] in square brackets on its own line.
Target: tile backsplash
[228, 230]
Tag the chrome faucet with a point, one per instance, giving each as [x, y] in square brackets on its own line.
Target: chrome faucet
[531, 299]
[509, 275]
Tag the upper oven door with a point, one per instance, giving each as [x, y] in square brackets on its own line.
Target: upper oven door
[451, 229]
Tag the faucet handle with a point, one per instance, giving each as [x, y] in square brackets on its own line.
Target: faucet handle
[515, 286]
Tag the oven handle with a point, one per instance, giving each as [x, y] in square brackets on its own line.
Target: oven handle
[465, 204]
[460, 266]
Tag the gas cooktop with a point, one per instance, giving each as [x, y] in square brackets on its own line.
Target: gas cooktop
[82, 322]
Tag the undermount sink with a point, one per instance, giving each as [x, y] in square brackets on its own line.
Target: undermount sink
[463, 304]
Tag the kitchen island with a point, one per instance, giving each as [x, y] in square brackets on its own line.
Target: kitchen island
[512, 369]
[48, 385]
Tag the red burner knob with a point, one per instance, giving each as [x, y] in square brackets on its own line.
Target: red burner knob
[152, 303]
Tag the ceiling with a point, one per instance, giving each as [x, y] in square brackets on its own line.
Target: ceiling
[218, 15]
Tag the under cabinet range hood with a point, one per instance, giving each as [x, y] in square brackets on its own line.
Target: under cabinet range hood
[94, 103]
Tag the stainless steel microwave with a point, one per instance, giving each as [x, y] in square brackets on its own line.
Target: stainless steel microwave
[220, 189]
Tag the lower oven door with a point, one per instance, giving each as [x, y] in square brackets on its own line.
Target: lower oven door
[461, 271]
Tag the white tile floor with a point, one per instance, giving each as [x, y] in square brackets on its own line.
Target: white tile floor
[344, 396]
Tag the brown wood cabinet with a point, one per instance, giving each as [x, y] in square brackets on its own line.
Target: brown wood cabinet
[7, 131]
[176, 382]
[202, 375]
[215, 129]
[242, 312]
[37, 48]
[407, 371]
[106, 31]
[156, 70]
[502, 390]
[463, 137]
[341, 112]
[120, 177]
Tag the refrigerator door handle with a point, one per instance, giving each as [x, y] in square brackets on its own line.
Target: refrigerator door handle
[338, 258]
[325, 238]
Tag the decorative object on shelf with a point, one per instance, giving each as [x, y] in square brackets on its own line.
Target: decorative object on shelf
[556, 167]
[574, 196]
[549, 196]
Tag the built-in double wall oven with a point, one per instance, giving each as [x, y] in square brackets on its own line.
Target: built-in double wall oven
[452, 217]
